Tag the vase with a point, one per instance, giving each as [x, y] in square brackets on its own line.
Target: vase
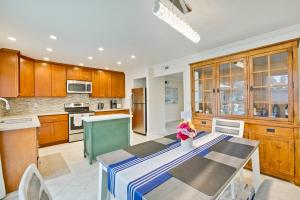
[187, 144]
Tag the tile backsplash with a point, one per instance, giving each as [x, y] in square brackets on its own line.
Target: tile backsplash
[32, 105]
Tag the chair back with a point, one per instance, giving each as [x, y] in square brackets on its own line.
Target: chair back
[32, 186]
[228, 127]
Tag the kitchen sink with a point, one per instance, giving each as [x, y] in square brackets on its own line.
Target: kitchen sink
[14, 121]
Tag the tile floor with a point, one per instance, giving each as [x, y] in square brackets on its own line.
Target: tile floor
[82, 182]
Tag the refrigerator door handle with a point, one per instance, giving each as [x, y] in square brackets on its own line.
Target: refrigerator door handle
[132, 107]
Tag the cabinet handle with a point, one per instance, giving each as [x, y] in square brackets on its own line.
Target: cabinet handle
[271, 130]
[218, 90]
[214, 90]
[251, 88]
[203, 122]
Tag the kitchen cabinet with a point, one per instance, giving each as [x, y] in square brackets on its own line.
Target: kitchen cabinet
[260, 87]
[59, 80]
[117, 84]
[53, 130]
[101, 80]
[110, 112]
[18, 149]
[9, 73]
[79, 73]
[27, 76]
[50, 80]
[43, 80]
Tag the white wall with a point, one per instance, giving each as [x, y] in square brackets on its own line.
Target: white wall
[172, 111]
[182, 65]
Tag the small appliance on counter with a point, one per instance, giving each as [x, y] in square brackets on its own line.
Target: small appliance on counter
[113, 104]
[100, 106]
[119, 105]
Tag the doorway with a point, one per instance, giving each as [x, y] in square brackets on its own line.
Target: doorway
[174, 101]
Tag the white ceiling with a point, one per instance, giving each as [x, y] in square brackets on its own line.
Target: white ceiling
[126, 27]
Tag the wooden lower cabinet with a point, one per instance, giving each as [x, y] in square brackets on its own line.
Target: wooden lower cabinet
[276, 153]
[110, 112]
[18, 149]
[53, 130]
[202, 124]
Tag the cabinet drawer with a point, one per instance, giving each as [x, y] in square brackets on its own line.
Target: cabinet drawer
[53, 118]
[272, 131]
[202, 124]
[112, 112]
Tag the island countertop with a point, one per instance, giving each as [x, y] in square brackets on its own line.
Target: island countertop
[105, 117]
[9, 123]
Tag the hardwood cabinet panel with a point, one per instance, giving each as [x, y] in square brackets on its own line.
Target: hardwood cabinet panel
[18, 149]
[273, 131]
[60, 131]
[117, 84]
[43, 81]
[105, 84]
[9, 73]
[59, 80]
[26, 77]
[45, 134]
[79, 73]
[202, 124]
[96, 83]
[110, 112]
[53, 118]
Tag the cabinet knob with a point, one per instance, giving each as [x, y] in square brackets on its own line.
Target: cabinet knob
[251, 88]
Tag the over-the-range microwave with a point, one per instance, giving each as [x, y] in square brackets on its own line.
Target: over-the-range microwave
[79, 87]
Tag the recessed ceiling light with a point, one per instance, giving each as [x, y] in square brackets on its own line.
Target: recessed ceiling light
[45, 58]
[11, 38]
[106, 68]
[81, 64]
[132, 56]
[90, 58]
[100, 49]
[53, 37]
[49, 49]
[119, 63]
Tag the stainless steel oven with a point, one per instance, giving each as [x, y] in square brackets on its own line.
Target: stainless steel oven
[79, 87]
[76, 112]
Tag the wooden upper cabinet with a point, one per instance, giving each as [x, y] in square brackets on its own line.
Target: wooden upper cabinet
[79, 73]
[9, 73]
[118, 84]
[43, 81]
[59, 80]
[101, 83]
[26, 77]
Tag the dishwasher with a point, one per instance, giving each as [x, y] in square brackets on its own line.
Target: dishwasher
[2, 186]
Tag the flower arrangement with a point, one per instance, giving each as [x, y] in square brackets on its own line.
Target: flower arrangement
[186, 130]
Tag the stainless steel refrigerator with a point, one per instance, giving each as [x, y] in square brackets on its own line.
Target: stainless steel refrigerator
[139, 110]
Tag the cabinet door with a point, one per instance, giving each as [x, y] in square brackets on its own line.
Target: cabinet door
[26, 77]
[43, 82]
[262, 147]
[204, 90]
[60, 131]
[45, 135]
[117, 84]
[283, 156]
[271, 80]
[105, 87]
[59, 82]
[79, 73]
[232, 94]
[86, 74]
[96, 83]
[9, 74]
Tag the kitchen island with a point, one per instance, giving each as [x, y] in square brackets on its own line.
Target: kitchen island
[103, 134]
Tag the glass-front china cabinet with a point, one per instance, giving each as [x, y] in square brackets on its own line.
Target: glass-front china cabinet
[260, 87]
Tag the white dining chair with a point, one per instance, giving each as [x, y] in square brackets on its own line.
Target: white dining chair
[233, 128]
[228, 127]
[32, 186]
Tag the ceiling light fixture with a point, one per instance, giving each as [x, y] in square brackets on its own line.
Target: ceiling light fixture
[100, 49]
[133, 56]
[90, 58]
[49, 49]
[165, 14]
[11, 38]
[52, 37]
[119, 63]
[45, 58]
[81, 64]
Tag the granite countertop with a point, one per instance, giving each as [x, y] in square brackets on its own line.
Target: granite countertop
[105, 117]
[8, 123]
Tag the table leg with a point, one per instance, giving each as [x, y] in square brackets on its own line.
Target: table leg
[100, 182]
[255, 170]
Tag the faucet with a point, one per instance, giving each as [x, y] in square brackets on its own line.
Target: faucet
[7, 106]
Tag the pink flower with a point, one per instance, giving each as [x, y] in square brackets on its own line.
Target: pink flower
[184, 131]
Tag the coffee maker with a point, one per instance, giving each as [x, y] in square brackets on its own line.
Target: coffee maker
[113, 104]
